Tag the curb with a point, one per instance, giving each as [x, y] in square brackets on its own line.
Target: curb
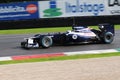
[23, 57]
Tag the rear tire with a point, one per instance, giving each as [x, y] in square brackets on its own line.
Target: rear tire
[108, 38]
[46, 41]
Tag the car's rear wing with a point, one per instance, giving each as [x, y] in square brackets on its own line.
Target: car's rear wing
[106, 27]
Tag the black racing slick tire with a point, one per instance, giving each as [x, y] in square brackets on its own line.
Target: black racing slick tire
[46, 41]
[108, 37]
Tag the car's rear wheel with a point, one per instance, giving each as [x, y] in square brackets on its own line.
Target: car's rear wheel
[46, 41]
[108, 37]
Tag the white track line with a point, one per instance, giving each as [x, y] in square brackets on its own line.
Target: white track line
[91, 52]
[5, 58]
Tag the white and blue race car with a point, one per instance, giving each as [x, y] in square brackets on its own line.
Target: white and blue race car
[78, 34]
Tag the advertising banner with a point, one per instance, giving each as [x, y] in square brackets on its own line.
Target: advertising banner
[113, 7]
[69, 8]
[58, 8]
[19, 11]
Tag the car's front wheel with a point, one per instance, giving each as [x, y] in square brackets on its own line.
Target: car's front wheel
[46, 41]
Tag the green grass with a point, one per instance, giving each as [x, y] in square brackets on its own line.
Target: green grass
[42, 30]
[73, 57]
[117, 27]
[34, 30]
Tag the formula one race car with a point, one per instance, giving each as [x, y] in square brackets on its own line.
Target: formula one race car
[78, 34]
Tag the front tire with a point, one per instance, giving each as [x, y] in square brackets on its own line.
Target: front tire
[46, 41]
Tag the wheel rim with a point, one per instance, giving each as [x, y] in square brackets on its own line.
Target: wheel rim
[47, 42]
[108, 37]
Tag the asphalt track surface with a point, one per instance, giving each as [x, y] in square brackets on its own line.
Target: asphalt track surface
[10, 46]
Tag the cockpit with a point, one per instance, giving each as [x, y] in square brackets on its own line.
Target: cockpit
[81, 29]
[78, 28]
